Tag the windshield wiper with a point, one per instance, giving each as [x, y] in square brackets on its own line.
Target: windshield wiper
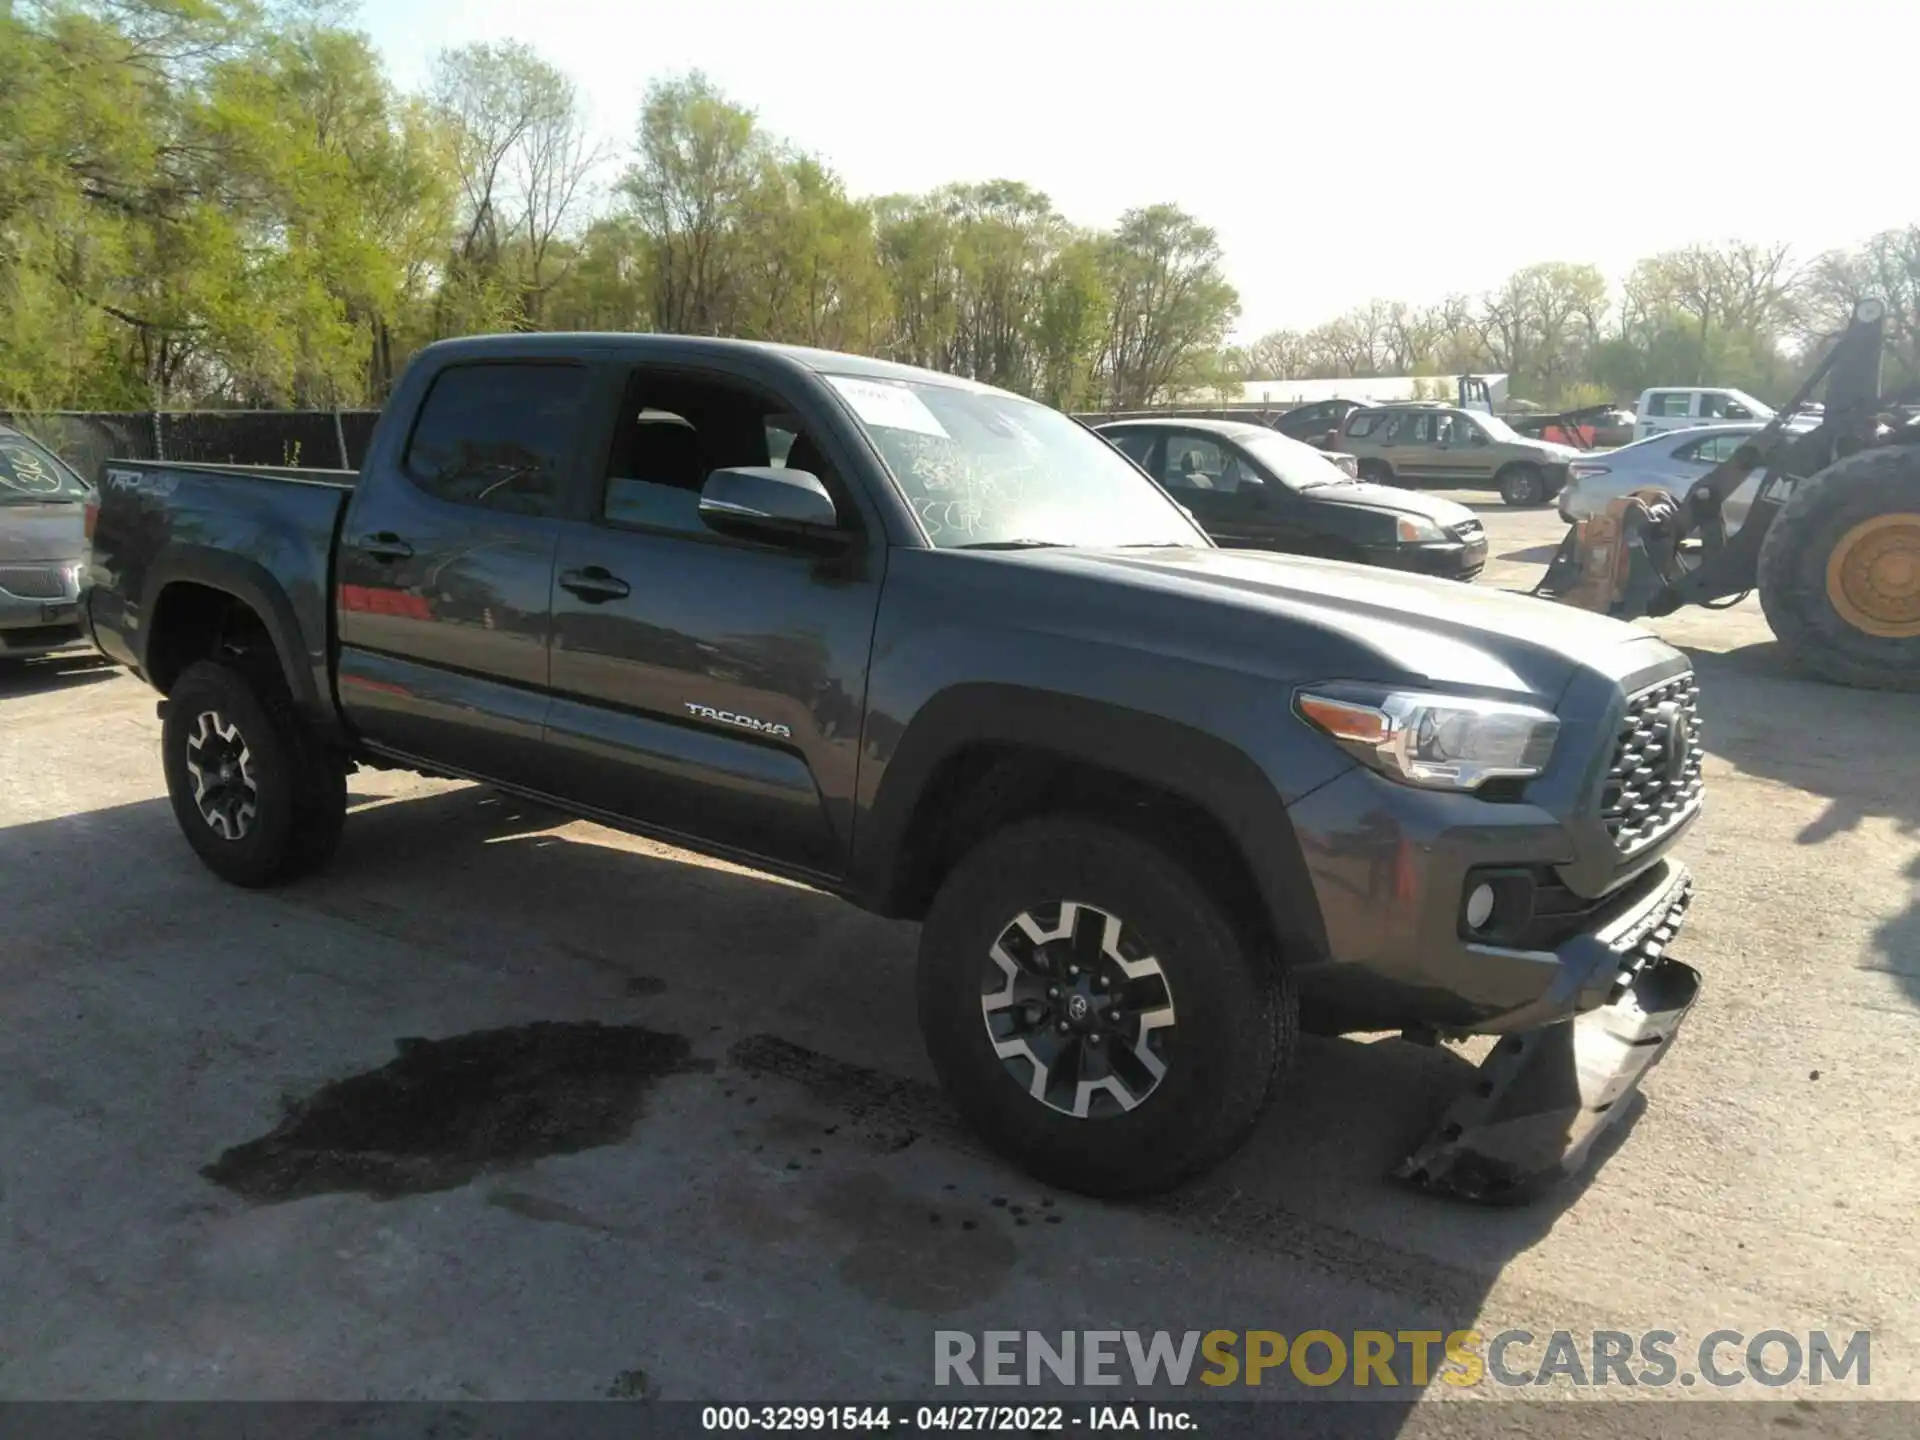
[1011, 545]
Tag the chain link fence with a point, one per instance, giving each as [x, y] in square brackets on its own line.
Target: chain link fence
[309, 439]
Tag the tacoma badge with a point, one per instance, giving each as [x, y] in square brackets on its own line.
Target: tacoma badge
[745, 722]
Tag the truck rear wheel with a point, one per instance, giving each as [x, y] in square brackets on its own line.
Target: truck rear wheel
[1839, 571]
[256, 797]
[1094, 1012]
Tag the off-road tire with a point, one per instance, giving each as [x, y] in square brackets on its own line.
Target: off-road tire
[1522, 485]
[1794, 557]
[1235, 1006]
[299, 790]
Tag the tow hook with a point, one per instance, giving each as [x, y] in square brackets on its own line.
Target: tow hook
[1542, 1097]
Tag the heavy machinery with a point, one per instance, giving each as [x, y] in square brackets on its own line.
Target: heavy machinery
[1831, 541]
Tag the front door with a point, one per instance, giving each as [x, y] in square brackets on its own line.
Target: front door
[1465, 451]
[703, 685]
[1234, 500]
[445, 567]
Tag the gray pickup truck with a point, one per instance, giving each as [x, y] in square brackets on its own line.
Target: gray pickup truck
[946, 653]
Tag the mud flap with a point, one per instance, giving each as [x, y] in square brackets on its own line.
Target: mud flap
[1542, 1097]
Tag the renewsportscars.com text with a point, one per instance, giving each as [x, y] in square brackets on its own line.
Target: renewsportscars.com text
[1393, 1358]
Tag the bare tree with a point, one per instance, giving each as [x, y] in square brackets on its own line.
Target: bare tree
[524, 157]
[551, 163]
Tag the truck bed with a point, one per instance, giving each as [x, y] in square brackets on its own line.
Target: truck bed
[264, 533]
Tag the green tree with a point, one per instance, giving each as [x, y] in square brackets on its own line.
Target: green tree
[699, 163]
[1170, 303]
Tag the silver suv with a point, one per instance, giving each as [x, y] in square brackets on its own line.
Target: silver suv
[1418, 444]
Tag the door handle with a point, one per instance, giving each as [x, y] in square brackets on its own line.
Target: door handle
[385, 546]
[594, 585]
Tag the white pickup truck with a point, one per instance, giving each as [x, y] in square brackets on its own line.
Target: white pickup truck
[1682, 409]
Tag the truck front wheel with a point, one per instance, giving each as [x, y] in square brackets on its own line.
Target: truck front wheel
[257, 799]
[1095, 1013]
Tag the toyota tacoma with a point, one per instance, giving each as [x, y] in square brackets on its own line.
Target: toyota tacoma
[943, 652]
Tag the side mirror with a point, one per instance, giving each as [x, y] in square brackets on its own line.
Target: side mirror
[773, 505]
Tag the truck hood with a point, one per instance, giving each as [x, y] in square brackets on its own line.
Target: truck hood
[1392, 499]
[1357, 622]
[30, 532]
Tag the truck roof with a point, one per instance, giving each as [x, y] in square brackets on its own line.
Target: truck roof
[646, 346]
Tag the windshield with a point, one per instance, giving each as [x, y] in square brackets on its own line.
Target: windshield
[30, 473]
[993, 470]
[1297, 466]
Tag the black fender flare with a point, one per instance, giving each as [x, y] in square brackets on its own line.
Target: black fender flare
[253, 585]
[1169, 755]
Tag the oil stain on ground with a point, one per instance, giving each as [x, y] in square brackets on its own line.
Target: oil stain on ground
[446, 1111]
[904, 1257]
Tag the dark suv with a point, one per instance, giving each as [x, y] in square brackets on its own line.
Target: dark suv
[1318, 424]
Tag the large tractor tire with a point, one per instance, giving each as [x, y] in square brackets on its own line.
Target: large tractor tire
[1839, 571]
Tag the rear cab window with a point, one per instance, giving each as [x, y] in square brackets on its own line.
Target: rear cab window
[499, 436]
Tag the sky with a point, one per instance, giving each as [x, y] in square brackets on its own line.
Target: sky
[1341, 151]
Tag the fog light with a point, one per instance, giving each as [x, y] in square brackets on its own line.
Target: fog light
[1479, 906]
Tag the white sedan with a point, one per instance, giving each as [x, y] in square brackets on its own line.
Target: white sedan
[1671, 461]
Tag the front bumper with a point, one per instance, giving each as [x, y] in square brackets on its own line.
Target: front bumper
[30, 626]
[1448, 559]
[1390, 867]
[1542, 1098]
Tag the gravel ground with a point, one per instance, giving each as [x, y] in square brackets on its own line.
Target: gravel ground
[741, 1183]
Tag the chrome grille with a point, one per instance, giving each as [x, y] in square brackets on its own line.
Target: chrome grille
[1648, 790]
[38, 582]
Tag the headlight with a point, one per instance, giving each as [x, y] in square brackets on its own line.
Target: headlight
[1440, 742]
[1415, 530]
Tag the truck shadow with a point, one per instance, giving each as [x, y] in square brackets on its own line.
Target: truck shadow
[791, 984]
[59, 671]
[824, 994]
[1858, 750]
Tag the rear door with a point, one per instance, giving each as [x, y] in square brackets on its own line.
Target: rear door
[1407, 444]
[445, 567]
[1140, 445]
[1692, 460]
[1668, 410]
[703, 685]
